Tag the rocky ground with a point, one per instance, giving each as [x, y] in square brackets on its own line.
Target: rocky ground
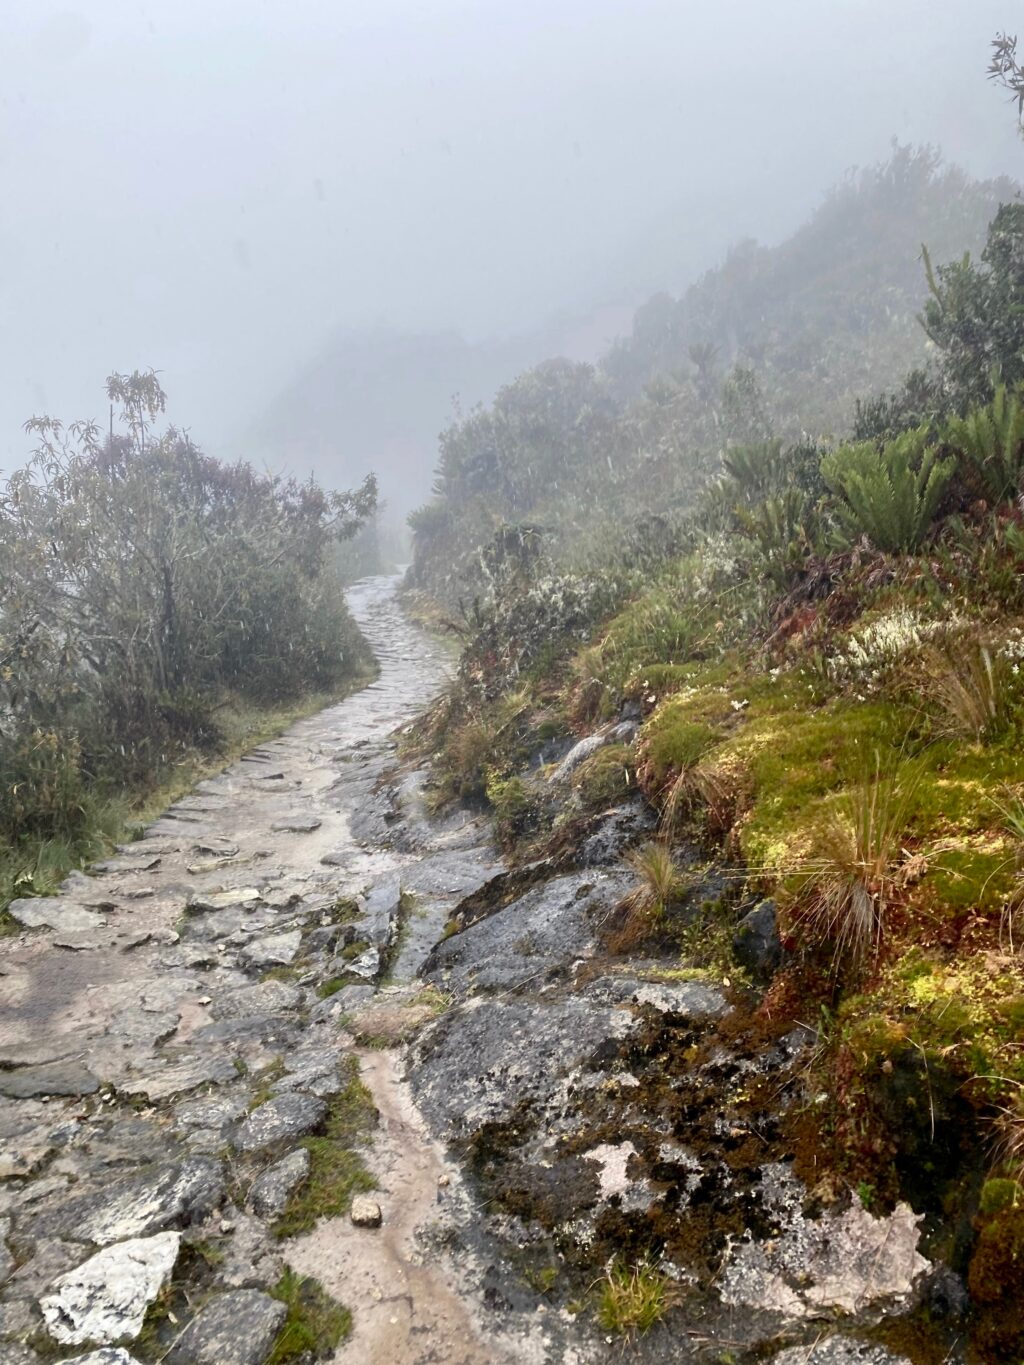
[179, 1118]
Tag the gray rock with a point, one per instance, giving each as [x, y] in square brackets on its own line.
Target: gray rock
[53, 912]
[838, 1351]
[6, 1259]
[216, 1113]
[843, 1261]
[150, 1201]
[380, 919]
[279, 1120]
[276, 950]
[105, 1300]
[366, 966]
[271, 1191]
[578, 754]
[180, 1077]
[198, 904]
[14, 1353]
[297, 824]
[756, 944]
[533, 939]
[366, 1212]
[238, 1328]
[477, 1065]
[55, 1078]
[268, 997]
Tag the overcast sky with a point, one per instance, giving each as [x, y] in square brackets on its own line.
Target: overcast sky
[210, 187]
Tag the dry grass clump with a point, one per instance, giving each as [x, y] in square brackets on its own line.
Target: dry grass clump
[846, 888]
[971, 686]
[639, 912]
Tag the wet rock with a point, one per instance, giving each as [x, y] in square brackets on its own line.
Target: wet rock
[53, 912]
[276, 950]
[617, 832]
[271, 1191]
[838, 1351]
[297, 824]
[238, 1328]
[279, 1120]
[756, 944]
[105, 1299]
[366, 1212]
[180, 1077]
[55, 1078]
[172, 1195]
[533, 939]
[268, 997]
[578, 754]
[477, 1065]
[380, 918]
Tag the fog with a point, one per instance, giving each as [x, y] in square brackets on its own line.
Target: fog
[215, 188]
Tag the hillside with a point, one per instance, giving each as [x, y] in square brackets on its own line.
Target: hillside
[777, 341]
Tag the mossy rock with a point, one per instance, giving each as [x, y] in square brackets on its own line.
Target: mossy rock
[606, 777]
[996, 1283]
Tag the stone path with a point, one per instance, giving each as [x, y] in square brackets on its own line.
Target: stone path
[166, 1043]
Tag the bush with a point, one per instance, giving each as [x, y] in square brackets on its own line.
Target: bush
[992, 440]
[890, 495]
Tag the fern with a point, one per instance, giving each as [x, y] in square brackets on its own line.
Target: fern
[890, 495]
[992, 439]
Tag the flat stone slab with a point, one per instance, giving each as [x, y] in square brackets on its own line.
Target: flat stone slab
[105, 1300]
[276, 950]
[267, 997]
[233, 1329]
[54, 1078]
[181, 1077]
[298, 824]
[198, 904]
[281, 1119]
[53, 912]
[271, 1191]
[167, 1196]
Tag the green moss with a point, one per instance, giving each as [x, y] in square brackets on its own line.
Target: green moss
[331, 986]
[337, 1171]
[316, 1324]
[997, 1195]
[605, 777]
[354, 949]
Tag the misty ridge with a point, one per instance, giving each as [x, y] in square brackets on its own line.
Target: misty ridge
[511, 693]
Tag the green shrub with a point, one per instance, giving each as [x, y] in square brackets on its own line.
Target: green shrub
[991, 438]
[890, 495]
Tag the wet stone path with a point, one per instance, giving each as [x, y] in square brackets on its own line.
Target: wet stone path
[167, 1041]
[181, 1028]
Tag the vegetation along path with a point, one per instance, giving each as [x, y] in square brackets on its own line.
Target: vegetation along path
[306, 1073]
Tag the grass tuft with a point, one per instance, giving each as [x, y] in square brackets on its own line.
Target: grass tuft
[632, 1299]
[316, 1324]
[336, 1171]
